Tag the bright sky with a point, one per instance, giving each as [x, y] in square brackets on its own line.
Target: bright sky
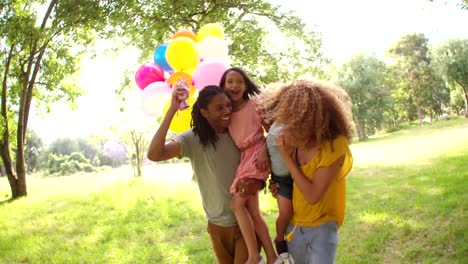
[373, 25]
[346, 27]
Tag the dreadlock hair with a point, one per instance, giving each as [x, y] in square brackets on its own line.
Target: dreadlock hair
[311, 111]
[199, 123]
[251, 88]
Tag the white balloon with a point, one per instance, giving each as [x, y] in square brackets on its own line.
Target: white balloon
[153, 98]
[213, 48]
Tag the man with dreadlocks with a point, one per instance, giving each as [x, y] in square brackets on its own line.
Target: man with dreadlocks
[214, 158]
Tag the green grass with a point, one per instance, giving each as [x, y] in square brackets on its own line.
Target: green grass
[406, 203]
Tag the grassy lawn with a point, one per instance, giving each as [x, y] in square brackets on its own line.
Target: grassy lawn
[406, 203]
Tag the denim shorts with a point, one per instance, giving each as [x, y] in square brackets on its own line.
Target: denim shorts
[285, 185]
[313, 245]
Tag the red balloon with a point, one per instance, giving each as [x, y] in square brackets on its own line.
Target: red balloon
[148, 73]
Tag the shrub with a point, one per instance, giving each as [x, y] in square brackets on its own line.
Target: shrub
[69, 167]
[78, 157]
[68, 164]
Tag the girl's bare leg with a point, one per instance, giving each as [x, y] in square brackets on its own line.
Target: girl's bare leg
[246, 225]
[261, 228]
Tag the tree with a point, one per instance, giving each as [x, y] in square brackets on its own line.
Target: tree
[139, 142]
[451, 62]
[412, 57]
[363, 77]
[37, 54]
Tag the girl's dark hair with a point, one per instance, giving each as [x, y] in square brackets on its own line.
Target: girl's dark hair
[251, 88]
[199, 123]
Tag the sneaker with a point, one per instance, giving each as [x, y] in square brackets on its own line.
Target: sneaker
[279, 261]
[282, 248]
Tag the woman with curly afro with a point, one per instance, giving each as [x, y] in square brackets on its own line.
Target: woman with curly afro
[314, 143]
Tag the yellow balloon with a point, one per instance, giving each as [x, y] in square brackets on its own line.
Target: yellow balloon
[182, 54]
[210, 30]
[192, 92]
[190, 71]
[182, 119]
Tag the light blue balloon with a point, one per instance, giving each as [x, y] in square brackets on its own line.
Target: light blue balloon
[159, 57]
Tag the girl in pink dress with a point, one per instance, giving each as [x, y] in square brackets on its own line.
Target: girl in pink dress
[246, 129]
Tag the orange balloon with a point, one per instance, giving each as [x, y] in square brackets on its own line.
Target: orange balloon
[185, 33]
[179, 75]
[184, 76]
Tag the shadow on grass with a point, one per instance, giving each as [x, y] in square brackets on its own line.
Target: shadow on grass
[105, 228]
[407, 214]
[8, 200]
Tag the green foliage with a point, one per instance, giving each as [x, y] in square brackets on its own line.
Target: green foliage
[457, 102]
[363, 77]
[66, 146]
[69, 167]
[78, 157]
[68, 164]
[418, 86]
[54, 163]
[248, 26]
[451, 62]
[32, 151]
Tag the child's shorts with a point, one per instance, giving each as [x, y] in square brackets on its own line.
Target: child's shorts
[285, 185]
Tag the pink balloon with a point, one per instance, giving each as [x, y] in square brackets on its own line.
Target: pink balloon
[148, 73]
[154, 96]
[209, 72]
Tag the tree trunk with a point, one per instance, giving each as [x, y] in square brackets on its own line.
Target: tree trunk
[465, 93]
[139, 167]
[17, 181]
[2, 170]
[361, 130]
[137, 141]
[17, 184]
[418, 107]
[18, 188]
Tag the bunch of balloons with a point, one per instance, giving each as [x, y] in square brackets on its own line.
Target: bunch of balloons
[199, 59]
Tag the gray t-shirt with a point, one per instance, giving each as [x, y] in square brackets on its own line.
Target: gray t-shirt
[278, 166]
[214, 170]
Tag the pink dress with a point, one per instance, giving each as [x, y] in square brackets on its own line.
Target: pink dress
[246, 130]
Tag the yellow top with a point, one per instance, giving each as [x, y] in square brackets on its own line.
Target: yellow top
[331, 208]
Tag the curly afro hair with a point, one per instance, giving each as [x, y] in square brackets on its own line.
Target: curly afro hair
[311, 111]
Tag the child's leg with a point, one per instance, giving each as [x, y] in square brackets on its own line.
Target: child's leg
[285, 210]
[246, 225]
[261, 227]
